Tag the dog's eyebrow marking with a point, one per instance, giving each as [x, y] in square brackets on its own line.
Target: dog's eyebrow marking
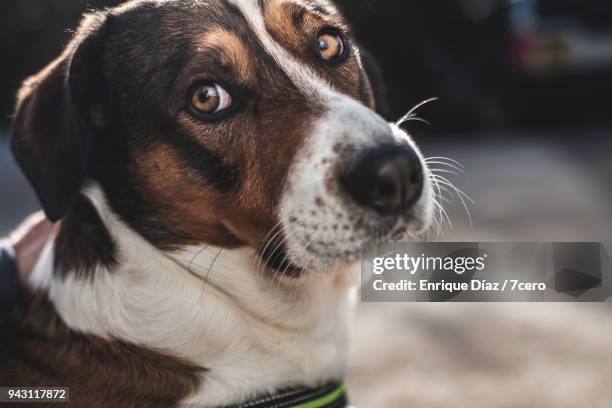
[318, 8]
[304, 77]
[300, 13]
[233, 51]
[292, 23]
[310, 5]
[300, 9]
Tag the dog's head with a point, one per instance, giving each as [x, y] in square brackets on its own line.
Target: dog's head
[224, 122]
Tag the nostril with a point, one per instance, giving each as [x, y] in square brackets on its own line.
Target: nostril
[389, 186]
[388, 179]
[417, 175]
[386, 190]
[386, 197]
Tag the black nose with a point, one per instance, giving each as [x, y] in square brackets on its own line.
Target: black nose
[388, 179]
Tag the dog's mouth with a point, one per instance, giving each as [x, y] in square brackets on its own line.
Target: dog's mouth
[330, 252]
[273, 255]
[328, 227]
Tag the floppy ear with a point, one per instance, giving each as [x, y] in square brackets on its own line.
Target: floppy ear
[53, 127]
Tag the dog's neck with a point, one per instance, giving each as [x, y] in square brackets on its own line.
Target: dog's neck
[212, 308]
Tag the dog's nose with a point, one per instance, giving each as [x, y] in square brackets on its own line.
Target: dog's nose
[388, 179]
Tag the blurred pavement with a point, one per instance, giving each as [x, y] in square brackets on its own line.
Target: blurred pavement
[454, 355]
[531, 186]
[527, 187]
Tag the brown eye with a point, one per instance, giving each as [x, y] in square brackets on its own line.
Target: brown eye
[210, 98]
[330, 46]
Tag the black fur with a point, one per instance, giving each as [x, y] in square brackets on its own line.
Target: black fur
[52, 130]
[208, 164]
[83, 242]
[115, 95]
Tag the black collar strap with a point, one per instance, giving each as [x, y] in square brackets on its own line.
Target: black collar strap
[332, 395]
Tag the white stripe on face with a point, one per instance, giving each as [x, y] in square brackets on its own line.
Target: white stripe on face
[323, 228]
[310, 83]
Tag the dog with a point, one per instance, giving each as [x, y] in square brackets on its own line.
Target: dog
[218, 167]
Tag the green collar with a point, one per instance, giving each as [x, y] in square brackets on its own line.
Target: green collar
[332, 395]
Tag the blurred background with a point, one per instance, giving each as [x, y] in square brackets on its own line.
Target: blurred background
[524, 90]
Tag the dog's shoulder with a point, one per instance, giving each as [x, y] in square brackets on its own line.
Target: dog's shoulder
[36, 347]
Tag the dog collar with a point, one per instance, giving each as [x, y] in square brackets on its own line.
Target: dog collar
[332, 395]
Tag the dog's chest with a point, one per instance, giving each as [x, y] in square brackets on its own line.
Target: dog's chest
[249, 338]
[298, 342]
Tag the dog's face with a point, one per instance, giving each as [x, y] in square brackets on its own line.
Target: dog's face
[224, 122]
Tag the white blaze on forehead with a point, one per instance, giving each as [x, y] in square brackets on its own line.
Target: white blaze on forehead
[302, 76]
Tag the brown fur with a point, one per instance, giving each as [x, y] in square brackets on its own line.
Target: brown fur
[296, 28]
[257, 145]
[260, 144]
[43, 351]
[245, 216]
[172, 177]
[237, 56]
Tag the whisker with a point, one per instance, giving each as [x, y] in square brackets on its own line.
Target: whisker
[276, 234]
[412, 118]
[437, 226]
[207, 276]
[446, 190]
[311, 257]
[454, 173]
[417, 106]
[444, 184]
[445, 158]
[192, 262]
[450, 165]
[277, 246]
[410, 115]
[443, 199]
[445, 181]
[443, 215]
[460, 194]
[212, 264]
[436, 184]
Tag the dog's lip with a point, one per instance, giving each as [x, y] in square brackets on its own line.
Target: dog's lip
[275, 258]
[397, 226]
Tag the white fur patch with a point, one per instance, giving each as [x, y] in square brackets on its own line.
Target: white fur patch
[321, 237]
[302, 75]
[322, 226]
[212, 307]
[253, 335]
